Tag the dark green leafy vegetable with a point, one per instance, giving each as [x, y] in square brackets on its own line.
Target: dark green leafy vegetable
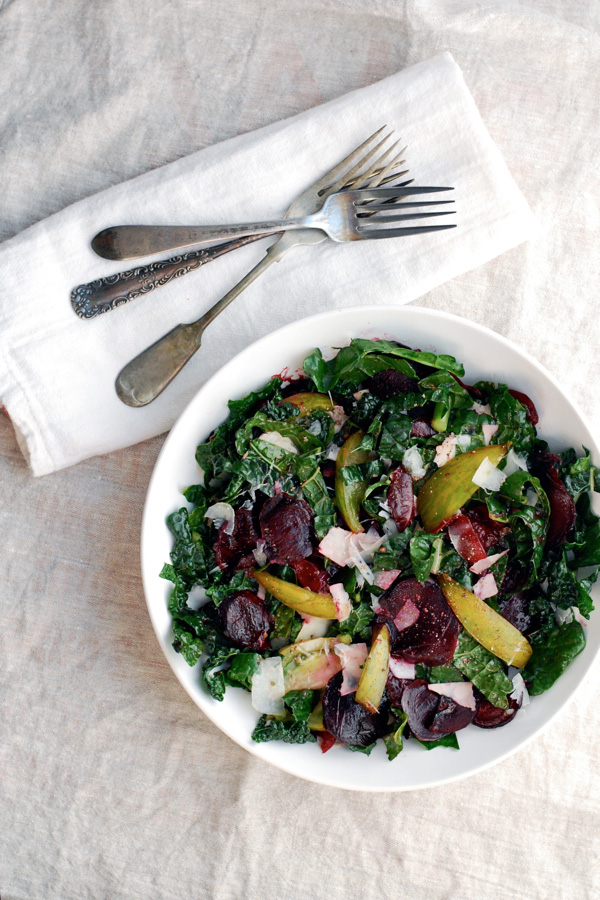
[484, 669]
[289, 732]
[300, 704]
[394, 743]
[551, 656]
[449, 740]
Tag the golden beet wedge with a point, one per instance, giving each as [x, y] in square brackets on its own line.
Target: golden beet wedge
[349, 496]
[448, 489]
[373, 677]
[298, 598]
[307, 402]
[485, 625]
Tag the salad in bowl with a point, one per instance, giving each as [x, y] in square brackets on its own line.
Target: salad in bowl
[379, 553]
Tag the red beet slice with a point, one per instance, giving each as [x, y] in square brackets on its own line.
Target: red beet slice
[325, 741]
[395, 688]
[528, 403]
[475, 393]
[286, 527]
[562, 507]
[465, 539]
[401, 498]
[344, 718]
[489, 716]
[390, 382]
[245, 620]
[231, 548]
[421, 428]
[515, 609]
[489, 532]
[431, 715]
[433, 637]
[311, 576]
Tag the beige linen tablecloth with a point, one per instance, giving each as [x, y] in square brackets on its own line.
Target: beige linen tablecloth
[112, 783]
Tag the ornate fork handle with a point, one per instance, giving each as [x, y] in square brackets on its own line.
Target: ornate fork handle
[103, 294]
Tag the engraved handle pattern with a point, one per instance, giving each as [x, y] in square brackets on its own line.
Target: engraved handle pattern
[103, 294]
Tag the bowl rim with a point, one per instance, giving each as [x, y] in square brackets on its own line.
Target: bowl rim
[147, 524]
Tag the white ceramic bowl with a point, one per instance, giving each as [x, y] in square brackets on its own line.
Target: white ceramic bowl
[485, 355]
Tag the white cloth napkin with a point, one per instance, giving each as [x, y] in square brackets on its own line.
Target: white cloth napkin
[57, 371]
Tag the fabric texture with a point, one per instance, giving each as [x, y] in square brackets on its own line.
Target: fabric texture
[76, 413]
[112, 783]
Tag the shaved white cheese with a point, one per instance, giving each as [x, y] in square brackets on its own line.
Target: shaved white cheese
[531, 497]
[259, 553]
[413, 463]
[402, 669]
[355, 559]
[341, 601]
[407, 615]
[335, 545]
[488, 432]
[390, 527]
[562, 616]
[268, 687]
[488, 476]
[482, 409]
[386, 579]
[261, 592]
[279, 440]
[486, 587]
[459, 691]
[445, 451]
[197, 597]
[482, 565]
[314, 627]
[222, 512]
[339, 417]
[333, 452]
[353, 657]
[520, 692]
[514, 462]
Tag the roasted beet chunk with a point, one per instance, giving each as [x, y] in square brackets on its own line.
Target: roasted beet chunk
[433, 637]
[489, 532]
[347, 720]
[562, 507]
[245, 620]
[401, 498]
[432, 715]
[286, 527]
[312, 576]
[230, 549]
[394, 689]
[390, 382]
[515, 610]
[421, 428]
[489, 716]
[528, 403]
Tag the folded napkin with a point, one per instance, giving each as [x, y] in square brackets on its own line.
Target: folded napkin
[57, 371]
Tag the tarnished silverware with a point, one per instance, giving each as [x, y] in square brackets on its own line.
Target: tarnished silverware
[146, 376]
[342, 218]
[103, 294]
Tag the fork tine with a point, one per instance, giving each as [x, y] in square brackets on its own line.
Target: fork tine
[401, 217]
[379, 193]
[366, 179]
[349, 160]
[381, 175]
[375, 233]
[355, 169]
[382, 213]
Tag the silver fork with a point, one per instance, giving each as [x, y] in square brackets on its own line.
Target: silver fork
[339, 218]
[146, 376]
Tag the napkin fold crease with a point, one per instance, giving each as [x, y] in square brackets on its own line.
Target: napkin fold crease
[57, 371]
